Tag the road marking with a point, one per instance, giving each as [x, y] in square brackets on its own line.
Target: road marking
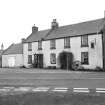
[60, 89]
[25, 89]
[100, 90]
[83, 90]
[4, 90]
[40, 89]
[8, 87]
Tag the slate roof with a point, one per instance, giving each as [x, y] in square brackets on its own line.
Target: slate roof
[14, 49]
[37, 36]
[83, 28]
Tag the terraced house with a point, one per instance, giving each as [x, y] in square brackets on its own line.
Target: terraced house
[86, 42]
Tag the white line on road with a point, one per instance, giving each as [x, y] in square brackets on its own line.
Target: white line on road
[100, 88]
[81, 88]
[41, 89]
[25, 89]
[56, 90]
[84, 91]
[100, 91]
[61, 88]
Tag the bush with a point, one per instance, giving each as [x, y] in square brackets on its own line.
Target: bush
[98, 69]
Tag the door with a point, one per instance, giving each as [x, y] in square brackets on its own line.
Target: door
[11, 61]
[38, 60]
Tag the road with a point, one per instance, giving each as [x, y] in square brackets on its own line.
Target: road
[70, 79]
[51, 87]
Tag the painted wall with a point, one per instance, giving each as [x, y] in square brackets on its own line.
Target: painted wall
[95, 55]
[13, 60]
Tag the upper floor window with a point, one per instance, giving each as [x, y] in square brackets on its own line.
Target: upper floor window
[52, 44]
[84, 41]
[39, 45]
[29, 59]
[67, 42]
[29, 46]
[84, 58]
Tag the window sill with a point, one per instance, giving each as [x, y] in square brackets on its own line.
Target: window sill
[84, 63]
[52, 48]
[66, 47]
[84, 45]
[39, 48]
[29, 49]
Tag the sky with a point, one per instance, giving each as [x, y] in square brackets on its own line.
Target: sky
[18, 16]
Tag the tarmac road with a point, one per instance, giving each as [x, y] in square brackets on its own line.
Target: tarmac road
[70, 79]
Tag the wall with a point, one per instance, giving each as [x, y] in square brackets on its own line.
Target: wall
[95, 55]
[18, 58]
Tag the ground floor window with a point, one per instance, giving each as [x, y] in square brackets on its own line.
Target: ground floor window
[53, 58]
[29, 59]
[84, 58]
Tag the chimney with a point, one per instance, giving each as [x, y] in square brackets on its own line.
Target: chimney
[23, 40]
[54, 24]
[34, 29]
[2, 47]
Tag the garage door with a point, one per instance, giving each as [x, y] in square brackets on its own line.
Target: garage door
[11, 61]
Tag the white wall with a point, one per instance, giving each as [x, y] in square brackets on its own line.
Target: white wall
[18, 58]
[95, 55]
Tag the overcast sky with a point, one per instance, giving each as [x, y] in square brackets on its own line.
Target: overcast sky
[18, 16]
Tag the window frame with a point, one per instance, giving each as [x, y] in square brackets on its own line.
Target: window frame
[84, 41]
[39, 45]
[53, 58]
[86, 56]
[29, 46]
[29, 59]
[67, 42]
[52, 44]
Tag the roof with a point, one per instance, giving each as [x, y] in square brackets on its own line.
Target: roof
[37, 36]
[83, 28]
[14, 49]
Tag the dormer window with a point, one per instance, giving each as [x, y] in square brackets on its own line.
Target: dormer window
[52, 44]
[29, 46]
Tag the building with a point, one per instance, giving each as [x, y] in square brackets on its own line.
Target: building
[1, 52]
[86, 41]
[13, 56]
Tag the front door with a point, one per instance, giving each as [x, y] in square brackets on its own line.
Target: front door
[38, 60]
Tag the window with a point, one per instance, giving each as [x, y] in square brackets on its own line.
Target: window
[67, 42]
[39, 45]
[84, 41]
[52, 44]
[53, 58]
[84, 58]
[29, 46]
[29, 59]
[92, 44]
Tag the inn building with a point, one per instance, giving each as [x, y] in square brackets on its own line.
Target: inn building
[86, 41]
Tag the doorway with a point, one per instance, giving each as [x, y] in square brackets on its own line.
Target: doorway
[38, 60]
